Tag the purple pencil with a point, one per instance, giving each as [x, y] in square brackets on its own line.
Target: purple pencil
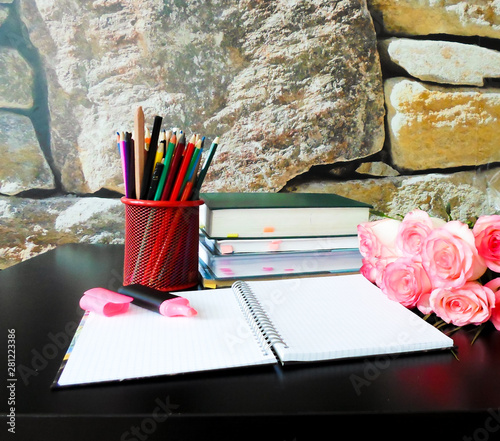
[124, 156]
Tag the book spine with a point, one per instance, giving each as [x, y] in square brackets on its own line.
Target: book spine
[262, 326]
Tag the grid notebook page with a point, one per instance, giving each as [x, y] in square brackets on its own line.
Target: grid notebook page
[341, 317]
[141, 343]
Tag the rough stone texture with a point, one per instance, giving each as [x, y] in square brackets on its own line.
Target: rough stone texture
[23, 165]
[16, 80]
[442, 61]
[469, 193]
[32, 226]
[287, 84]
[436, 127]
[423, 17]
[376, 169]
[3, 14]
[309, 95]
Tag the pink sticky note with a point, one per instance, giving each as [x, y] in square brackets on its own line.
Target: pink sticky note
[268, 268]
[274, 245]
[105, 302]
[226, 249]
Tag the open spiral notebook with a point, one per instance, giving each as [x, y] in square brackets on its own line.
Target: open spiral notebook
[252, 323]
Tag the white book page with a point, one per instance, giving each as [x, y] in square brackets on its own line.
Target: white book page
[141, 343]
[310, 221]
[341, 317]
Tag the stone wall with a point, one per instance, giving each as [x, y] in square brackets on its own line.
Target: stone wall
[392, 102]
[440, 63]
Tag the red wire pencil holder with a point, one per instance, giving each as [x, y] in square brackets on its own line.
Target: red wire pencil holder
[161, 243]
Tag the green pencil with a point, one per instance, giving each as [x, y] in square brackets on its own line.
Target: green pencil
[172, 140]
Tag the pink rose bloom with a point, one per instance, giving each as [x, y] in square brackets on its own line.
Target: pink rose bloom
[423, 303]
[487, 234]
[470, 303]
[373, 268]
[369, 269]
[494, 285]
[377, 239]
[405, 281]
[413, 230]
[450, 257]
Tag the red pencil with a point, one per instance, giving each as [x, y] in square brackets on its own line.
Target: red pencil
[172, 173]
[182, 172]
[187, 193]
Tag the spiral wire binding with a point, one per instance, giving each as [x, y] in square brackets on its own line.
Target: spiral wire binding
[262, 326]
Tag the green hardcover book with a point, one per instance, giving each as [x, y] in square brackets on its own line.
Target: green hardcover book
[273, 215]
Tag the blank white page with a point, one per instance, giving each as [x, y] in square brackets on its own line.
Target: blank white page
[341, 317]
[141, 343]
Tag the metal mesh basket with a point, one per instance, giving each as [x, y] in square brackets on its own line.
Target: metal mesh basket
[161, 244]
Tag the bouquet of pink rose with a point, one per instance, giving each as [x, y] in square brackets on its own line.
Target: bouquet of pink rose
[440, 267]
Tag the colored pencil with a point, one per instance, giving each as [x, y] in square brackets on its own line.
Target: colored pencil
[186, 160]
[168, 159]
[176, 161]
[130, 165]
[160, 150]
[138, 149]
[192, 169]
[147, 141]
[163, 169]
[204, 169]
[123, 155]
[150, 160]
[188, 189]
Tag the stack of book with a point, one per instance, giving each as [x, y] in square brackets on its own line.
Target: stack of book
[245, 236]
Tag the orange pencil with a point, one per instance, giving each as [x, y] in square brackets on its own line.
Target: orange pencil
[147, 141]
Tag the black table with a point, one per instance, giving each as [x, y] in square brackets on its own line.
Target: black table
[403, 397]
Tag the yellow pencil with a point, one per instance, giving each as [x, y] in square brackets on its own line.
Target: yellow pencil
[161, 149]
